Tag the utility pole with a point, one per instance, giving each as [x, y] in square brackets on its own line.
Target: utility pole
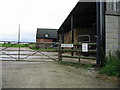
[19, 42]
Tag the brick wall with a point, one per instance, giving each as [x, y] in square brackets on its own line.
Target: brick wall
[44, 40]
[42, 45]
[112, 33]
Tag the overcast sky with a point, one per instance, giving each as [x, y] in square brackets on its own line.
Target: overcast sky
[31, 14]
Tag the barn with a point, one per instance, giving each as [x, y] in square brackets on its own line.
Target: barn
[45, 35]
[93, 22]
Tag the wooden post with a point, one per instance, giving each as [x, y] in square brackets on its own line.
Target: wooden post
[98, 33]
[79, 59]
[59, 52]
[79, 53]
[100, 13]
[72, 32]
[79, 56]
[62, 35]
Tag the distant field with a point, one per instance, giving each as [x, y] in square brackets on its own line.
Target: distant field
[15, 45]
[31, 46]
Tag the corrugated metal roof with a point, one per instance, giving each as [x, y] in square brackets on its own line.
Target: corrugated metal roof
[52, 33]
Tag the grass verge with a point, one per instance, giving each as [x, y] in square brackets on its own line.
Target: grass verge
[112, 65]
[14, 45]
[76, 65]
[41, 49]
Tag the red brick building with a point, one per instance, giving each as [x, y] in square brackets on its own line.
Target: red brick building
[45, 35]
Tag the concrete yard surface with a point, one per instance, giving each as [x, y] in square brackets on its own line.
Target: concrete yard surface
[16, 74]
[40, 71]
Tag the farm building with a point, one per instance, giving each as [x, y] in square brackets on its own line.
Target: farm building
[45, 35]
[93, 22]
[80, 22]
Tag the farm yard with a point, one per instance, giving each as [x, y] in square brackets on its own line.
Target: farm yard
[81, 51]
[41, 71]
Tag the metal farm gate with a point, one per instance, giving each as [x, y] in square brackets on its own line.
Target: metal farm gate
[29, 51]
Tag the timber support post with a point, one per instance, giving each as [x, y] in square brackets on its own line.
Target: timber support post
[100, 32]
[72, 32]
[59, 51]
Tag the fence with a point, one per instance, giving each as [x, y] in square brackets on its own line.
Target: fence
[78, 51]
[83, 51]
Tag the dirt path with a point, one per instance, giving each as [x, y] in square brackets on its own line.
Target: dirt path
[46, 73]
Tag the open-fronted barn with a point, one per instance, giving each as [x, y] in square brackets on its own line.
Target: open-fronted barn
[93, 22]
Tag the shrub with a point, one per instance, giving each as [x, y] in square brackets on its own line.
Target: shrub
[112, 65]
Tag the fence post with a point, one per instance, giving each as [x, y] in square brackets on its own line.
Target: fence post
[79, 53]
[59, 51]
[79, 56]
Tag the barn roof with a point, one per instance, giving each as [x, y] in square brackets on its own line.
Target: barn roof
[42, 31]
[84, 15]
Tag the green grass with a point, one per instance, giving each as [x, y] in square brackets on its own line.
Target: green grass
[76, 65]
[40, 49]
[112, 65]
[14, 45]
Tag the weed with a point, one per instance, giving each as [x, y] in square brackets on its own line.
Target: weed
[76, 65]
[88, 65]
[112, 65]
